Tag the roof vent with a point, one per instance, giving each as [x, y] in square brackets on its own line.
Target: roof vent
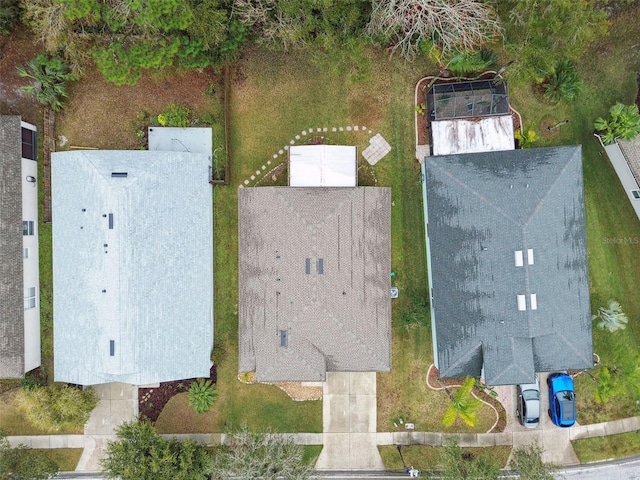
[283, 338]
[522, 304]
[518, 258]
[530, 256]
[307, 266]
[119, 174]
[534, 302]
[112, 348]
[111, 221]
[320, 266]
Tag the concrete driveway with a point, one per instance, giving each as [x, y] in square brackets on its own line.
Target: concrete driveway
[349, 420]
[555, 441]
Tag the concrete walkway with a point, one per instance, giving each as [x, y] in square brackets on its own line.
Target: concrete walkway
[349, 418]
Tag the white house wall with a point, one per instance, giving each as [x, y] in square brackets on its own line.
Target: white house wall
[624, 174]
[31, 276]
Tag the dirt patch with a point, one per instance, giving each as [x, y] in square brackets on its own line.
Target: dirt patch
[16, 50]
[151, 401]
[299, 392]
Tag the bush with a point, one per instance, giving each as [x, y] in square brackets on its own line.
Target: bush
[57, 407]
[624, 124]
[465, 64]
[202, 395]
[562, 83]
[174, 115]
[49, 77]
[9, 15]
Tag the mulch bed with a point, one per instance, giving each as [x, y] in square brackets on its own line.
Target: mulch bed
[151, 401]
[434, 381]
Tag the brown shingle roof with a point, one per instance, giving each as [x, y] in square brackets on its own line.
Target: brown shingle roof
[314, 281]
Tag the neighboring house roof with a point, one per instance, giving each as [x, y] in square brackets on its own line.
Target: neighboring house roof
[472, 136]
[631, 151]
[508, 263]
[12, 341]
[314, 281]
[132, 266]
[323, 166]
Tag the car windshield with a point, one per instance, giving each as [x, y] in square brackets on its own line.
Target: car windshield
[566, 400]
[531, 395]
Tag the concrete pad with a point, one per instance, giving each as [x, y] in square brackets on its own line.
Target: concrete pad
[433, 438]
[122, 411]
[58, 441]
[75, 441]
[468, 440]
[631, 424]
[100, 420]
[524, 438]
[361, 421]
[594, 430]
[557, 448]
[102, 391]
[416, 438]
[384, 438]
[503, 438]
[361, 454]
[615, 427]
[307, 438]
[336, 413]
[362, 383]
[94, 453]
[335, 452]
[486, 439]
[336, 383]
[41, 441]
[17, 440]
[123, 391]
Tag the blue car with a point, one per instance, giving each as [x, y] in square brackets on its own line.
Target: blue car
[562, 399]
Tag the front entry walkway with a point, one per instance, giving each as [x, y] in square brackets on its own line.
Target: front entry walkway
[349, 417]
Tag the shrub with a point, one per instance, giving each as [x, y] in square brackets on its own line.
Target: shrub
[612, 317]
[562, 83]
[526, 139]
[49, 77]
[624, 123]
[57, 407]
[174, 115]
[202, 395]
[467, 63]
[9, 15]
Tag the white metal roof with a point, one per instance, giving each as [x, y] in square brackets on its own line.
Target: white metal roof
[132, 265]
[472, 135]
[174, 139]
[322, 166]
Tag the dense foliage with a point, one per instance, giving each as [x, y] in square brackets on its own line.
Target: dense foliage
[23, 463]
[140, 453]
[260, 455]
[463, 404]
[561, 83]
[527, 461]
[57, 407]
[9, 15]
[202, 395]
[458, 465]
[49, 77]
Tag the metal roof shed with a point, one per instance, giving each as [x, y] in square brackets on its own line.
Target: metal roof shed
[323, 166]
[174, 139]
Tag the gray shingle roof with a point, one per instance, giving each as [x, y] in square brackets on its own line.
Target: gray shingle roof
[12, 361]
[294, 325]
[146, 283]
[482, 208]
[631, 151]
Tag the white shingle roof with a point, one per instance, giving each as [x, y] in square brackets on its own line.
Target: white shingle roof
[146, 284]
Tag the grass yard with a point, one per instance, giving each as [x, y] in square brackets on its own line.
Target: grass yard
[13, 422]
[66, 458]
[424, 457]
[605, 448]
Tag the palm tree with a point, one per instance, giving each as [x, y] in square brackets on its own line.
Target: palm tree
[562, 83]
[624, 124]
[49, 77]
[202, 395]
[463, 404]
[612, 317]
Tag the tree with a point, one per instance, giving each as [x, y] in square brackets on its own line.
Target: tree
[624, 123]
[286, 24]
[57, 407]
[612, 317]
[541, 33]
[458, 465]
[449, 26]
[49, 76]
[23, 463]
[527, 461]
[562, 83]
[463, 404]
[140, 453]
[202, 395]
[260, 455]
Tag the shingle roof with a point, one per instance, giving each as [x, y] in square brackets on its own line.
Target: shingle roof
[631, 151]
[314, 281]
[12, 361]
[482, 209]
[147, 283]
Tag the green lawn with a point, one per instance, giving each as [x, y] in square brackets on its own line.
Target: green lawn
[424, 457]
[66, 458]
[604, 448]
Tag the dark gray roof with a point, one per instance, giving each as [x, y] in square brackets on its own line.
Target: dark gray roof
[482, 209]
[11, 283]
[314, 281]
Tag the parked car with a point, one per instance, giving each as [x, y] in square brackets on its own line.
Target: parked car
[528, 404]
[562, 399]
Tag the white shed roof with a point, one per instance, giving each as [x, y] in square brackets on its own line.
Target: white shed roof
[132, 266]
[174, 139]
[473, 135]
[322, 166]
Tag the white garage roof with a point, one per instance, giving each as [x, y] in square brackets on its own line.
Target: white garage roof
[323, 166]
[472, 135]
